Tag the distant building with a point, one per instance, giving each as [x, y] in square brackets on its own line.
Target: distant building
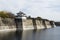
[21, 15]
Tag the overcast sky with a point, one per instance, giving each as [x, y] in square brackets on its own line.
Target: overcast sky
[49, 9]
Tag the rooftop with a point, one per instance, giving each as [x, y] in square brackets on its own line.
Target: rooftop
[21, 14]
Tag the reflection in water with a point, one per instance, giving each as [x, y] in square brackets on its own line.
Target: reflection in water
[46, 34]
[18, 35]
[7, 35]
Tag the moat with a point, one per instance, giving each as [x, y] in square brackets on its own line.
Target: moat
[44, 34]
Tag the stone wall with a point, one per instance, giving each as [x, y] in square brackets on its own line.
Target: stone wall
[27, 24]
[7, 23]
[19, 24]
[40, 24]
[52, 23]
[33, 23]
[48, 25]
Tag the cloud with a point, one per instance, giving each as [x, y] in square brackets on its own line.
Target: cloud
[49, 9]
[12, 5]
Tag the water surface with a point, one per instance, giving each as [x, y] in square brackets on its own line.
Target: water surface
[45, 34]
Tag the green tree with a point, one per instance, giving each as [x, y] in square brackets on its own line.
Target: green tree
[5, 14]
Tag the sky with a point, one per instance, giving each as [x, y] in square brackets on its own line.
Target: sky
[48, 9]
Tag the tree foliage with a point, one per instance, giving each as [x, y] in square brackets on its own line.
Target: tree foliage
[39, 18]
[5, 14]
[29, 16]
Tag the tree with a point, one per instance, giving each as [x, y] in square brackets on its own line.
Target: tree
[39, 18]
[5, 14]
[10, 15]
[29, 16]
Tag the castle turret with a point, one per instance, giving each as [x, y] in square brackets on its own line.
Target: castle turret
[21, 15]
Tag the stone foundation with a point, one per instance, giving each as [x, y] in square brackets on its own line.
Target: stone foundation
[7, 23]
[27, 24]
[24, 24]
[39, 24]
